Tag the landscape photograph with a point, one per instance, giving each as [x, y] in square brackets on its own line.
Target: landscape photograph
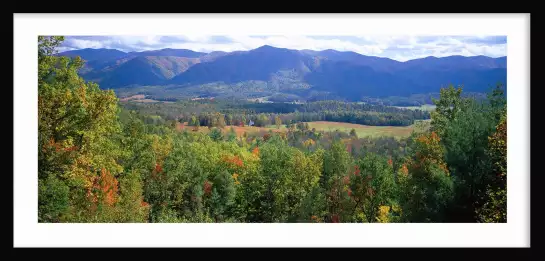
[272, 129]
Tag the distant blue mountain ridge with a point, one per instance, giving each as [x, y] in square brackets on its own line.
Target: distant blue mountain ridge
[345, 74]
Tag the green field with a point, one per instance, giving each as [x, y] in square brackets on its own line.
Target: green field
[364, 130]
[424, 107]
[327, 126]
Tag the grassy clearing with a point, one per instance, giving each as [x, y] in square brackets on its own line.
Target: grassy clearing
[363, 130]
[326, 126]
[139, 98]
[424, 107]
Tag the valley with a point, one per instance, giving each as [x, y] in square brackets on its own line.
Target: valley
[268, 135]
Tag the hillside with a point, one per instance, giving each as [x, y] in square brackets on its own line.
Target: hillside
[96, 59]
[299, 74]
[456, 62]
[170, 52]
[141, 70]
[377, 63]
[257, 64]
[89, 54]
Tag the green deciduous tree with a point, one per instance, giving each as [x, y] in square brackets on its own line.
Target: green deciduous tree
[372, 185]
[448, 107]
[77, 125]
[465, 139]
[277, 122]
[426, 186]
[353, 133]
[232, 135]
[54, 199]
[494, 208]
[337, 162]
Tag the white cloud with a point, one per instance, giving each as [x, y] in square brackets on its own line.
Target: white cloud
[82, 44]
[400, 48]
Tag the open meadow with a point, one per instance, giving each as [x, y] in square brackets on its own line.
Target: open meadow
[324, 126]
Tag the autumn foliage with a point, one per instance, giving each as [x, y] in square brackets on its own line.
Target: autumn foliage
[100, 163]
[404, 170]
[157, 171]
[207, 187]
[105, 189]
[255, 151]
[357, 170]
[429, 151]
[233, 161]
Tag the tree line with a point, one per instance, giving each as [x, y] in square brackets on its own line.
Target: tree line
[239, 113]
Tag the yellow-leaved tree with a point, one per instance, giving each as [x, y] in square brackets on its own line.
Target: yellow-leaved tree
[78, 129]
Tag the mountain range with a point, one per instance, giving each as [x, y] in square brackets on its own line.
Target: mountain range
[348, 75]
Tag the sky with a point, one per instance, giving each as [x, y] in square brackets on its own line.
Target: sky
[401, 48]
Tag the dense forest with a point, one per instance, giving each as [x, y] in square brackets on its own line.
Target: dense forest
[102, 162]
[218, 113]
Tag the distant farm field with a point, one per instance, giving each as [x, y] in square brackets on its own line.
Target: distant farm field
[139, 98]
[363, 130]
[424, 107]
[325, 126]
